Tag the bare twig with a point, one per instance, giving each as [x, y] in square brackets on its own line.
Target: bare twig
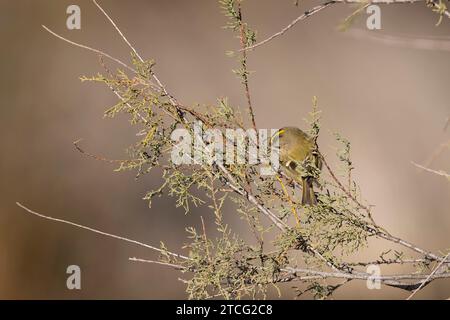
[167, 264]
[437, 153]
[90, 49]
[439, 173]
[302, 17]
[118, 30]
[327, 4]
[430, 276]
[102, 232]
[93, 156]
[403, 41]
[171, 98]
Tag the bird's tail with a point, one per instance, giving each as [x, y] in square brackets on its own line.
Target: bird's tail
[308, 195]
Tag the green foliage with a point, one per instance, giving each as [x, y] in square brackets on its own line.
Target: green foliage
[247, 37]
[228, 267]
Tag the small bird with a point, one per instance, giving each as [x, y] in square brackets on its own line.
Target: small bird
[295, 147]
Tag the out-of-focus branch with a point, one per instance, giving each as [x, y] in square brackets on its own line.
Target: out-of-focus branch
[99, 52]
[439, 173]
[433, 3]
[302, 17]
[420, 43]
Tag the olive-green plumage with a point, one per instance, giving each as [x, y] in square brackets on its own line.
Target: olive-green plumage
[296, 146]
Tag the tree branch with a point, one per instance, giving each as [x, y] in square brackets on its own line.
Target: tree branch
[102, 233]
[327, 4]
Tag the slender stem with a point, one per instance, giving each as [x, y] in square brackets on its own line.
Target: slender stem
[316, 9]
[118, 30]
[429, 277]
[439, 173]
[302, 17]
[167, 264]
[243, 38]
[102, 233]
[90, 49]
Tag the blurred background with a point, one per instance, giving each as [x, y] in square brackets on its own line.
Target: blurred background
[390, 101]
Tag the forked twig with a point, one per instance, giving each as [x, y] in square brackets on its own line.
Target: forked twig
[118, 30]
[429, 277]
[76, 44]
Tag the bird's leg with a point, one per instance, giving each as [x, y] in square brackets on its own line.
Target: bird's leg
[294, 211]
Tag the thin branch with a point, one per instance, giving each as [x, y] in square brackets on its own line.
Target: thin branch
[439, 173]
[350, 196]
[96, 157]
[118, 30]
[382, 234]
[102, 233]
[243, 38]
[302, 17]
[101, 53]
[235, 186]
[294, 274]
[180, 108]
[172, 100]
[167, 264]
[90, 49]
[429, 277]
[389, 261]
[409, 245]
[359, 276]
[205, 238]
[437, 153]
[402, 41]
[327, 4]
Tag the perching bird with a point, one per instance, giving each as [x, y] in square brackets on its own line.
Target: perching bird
[296, 146]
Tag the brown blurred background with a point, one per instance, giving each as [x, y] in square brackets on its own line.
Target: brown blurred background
[390, 102]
